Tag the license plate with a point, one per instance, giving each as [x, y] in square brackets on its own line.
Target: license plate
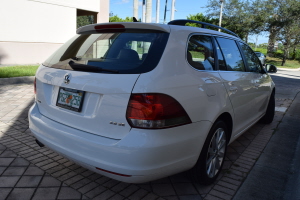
[70, 99]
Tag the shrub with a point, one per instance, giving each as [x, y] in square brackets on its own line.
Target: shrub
[278, 54]
[296, 55]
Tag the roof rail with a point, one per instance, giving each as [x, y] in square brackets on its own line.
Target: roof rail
[182, 22]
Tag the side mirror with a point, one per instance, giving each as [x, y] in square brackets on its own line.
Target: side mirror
[270, 68]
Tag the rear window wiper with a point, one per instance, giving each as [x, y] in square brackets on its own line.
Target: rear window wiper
[89, 68]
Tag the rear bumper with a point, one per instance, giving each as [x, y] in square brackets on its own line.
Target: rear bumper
[142, 154]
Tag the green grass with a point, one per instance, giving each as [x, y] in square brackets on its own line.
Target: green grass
[291, 64]
[17, 71]
[196, 54]
[262, 50]
[140, 50]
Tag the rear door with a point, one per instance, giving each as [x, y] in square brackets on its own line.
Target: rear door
[238, 83]
[261, 80]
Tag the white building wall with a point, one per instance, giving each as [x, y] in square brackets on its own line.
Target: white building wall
[31, 30]
[90, 5]
[31, 21]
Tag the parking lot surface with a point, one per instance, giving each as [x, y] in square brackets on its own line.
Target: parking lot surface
[28, 171]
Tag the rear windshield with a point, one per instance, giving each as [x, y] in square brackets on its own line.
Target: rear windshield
[128, 52]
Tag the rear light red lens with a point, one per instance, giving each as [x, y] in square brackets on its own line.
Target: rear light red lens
[34, 85]
[119, 28]
[155, 111]
[109, 26]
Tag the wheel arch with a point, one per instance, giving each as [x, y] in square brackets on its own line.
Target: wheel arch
[226, 117]
[198, 172]
[273, 91]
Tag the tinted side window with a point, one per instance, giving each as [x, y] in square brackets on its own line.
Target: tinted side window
[232, 55]
[221, 60]
[200, 52]
[251, 59]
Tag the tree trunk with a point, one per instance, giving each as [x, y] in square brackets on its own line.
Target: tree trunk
[283, 60]
[294, 53]
[148, 11]
[271, 42]
[285, 54]
[246, 37]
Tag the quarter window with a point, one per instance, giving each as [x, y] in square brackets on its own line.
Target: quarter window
[200, 53]
[251, 59]
[232, 55]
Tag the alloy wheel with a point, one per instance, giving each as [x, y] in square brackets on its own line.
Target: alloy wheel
[216, 152]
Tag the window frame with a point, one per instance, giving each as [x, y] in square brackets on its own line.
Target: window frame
[239, 49]
[217, 60]
[215, 43]
[216, 66]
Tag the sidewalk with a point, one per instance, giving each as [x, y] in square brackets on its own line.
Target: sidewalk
[276, 174]
[30, 172]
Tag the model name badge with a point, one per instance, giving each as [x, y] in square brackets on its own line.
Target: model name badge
[116, 123]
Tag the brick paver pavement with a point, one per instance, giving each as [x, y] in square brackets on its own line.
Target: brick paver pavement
[30, 172]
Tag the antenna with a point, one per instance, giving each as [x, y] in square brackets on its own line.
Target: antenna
[134, 19]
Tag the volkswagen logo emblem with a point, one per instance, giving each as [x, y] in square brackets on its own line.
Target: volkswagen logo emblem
[67, 79]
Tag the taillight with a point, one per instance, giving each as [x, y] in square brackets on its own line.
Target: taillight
[34, 85]
[155, 111]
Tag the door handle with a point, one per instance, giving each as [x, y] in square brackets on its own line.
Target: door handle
[233, 89]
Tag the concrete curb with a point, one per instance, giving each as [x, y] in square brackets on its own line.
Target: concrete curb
[17, 80]
[287, 69]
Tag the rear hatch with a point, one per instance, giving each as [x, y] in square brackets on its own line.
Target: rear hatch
[87, 83]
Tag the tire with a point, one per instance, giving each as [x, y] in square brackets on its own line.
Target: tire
[212, 156]
[269, 115]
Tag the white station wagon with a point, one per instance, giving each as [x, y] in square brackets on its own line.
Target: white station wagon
[137, 102]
